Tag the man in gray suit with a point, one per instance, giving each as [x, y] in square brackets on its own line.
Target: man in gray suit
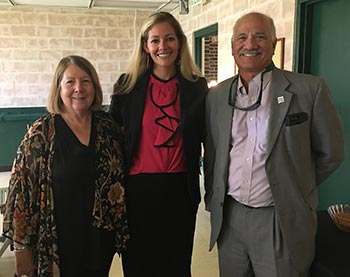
[272, 137]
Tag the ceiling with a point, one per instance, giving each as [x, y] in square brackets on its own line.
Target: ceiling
[151, 5]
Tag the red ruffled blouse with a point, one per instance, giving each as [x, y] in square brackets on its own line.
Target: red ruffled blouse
[161, 145]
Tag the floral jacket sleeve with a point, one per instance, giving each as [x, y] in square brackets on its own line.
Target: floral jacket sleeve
[28, 217]
[109, 208]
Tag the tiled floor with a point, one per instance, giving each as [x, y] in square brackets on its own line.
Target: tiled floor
[204, 263]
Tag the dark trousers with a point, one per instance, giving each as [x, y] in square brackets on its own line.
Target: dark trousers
[162, 220]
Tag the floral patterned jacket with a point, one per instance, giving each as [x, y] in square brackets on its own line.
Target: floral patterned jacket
[29, 211]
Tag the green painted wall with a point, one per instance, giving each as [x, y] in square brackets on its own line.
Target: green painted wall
[13, 125]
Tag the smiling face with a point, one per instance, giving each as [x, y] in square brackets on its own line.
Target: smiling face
[77, 90]
[163, 46]
[253, 44]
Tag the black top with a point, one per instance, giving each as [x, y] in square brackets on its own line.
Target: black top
[73, 178]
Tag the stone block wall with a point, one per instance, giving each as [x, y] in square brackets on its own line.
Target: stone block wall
[226, 12]
[33, 40]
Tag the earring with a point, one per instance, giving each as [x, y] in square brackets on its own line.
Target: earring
[178, 60]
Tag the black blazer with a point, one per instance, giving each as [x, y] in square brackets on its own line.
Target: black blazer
[127, 110]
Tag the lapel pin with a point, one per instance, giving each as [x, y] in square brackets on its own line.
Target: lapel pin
[280, 99]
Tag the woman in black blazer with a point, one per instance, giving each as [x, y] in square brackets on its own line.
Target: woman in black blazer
[160, 102]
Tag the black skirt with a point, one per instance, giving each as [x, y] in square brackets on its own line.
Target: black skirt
[162, 221]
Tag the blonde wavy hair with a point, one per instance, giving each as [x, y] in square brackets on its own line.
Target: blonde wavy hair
[141, 62]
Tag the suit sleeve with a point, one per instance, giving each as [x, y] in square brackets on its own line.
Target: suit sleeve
[114, 107]
[114, 110]
[204, 88]
[209, 157]
[327, 134]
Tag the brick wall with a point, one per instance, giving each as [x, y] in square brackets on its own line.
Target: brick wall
[211, 58]
[33, 40]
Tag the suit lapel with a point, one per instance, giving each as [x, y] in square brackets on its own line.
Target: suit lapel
[224, 114]
[138, 101]
[185, 96]
[225, 121]
[279, 106]
[137, 107]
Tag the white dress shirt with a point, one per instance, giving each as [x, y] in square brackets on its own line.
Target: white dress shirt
[247, 180]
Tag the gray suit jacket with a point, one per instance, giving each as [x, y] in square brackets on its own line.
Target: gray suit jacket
[305, 144]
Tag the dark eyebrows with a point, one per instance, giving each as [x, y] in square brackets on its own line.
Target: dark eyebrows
[157, 36]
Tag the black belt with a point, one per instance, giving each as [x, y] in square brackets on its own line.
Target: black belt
[229, 197]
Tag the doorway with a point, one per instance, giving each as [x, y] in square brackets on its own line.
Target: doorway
[206, 52]
[322, 49]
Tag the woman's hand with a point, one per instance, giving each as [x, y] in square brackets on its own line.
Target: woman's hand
[24, 263]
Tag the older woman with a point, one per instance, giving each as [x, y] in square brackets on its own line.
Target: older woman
[65, 210]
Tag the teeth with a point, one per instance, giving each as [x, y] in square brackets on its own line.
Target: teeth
[250, 54]
[163, 55]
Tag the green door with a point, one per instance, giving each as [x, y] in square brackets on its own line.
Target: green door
[324, 50]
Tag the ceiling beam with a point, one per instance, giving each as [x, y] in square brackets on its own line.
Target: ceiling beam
[163, 5]
[12, 2]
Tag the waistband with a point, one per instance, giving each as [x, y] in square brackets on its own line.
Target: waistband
[230, 198]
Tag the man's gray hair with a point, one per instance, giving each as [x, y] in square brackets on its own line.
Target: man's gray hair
[268, 19]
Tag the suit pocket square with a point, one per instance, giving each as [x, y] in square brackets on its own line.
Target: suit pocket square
[296, 118]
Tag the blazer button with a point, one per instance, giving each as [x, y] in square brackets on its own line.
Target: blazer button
[221, 204]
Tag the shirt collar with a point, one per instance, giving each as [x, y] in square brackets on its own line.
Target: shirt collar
[256, 80]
